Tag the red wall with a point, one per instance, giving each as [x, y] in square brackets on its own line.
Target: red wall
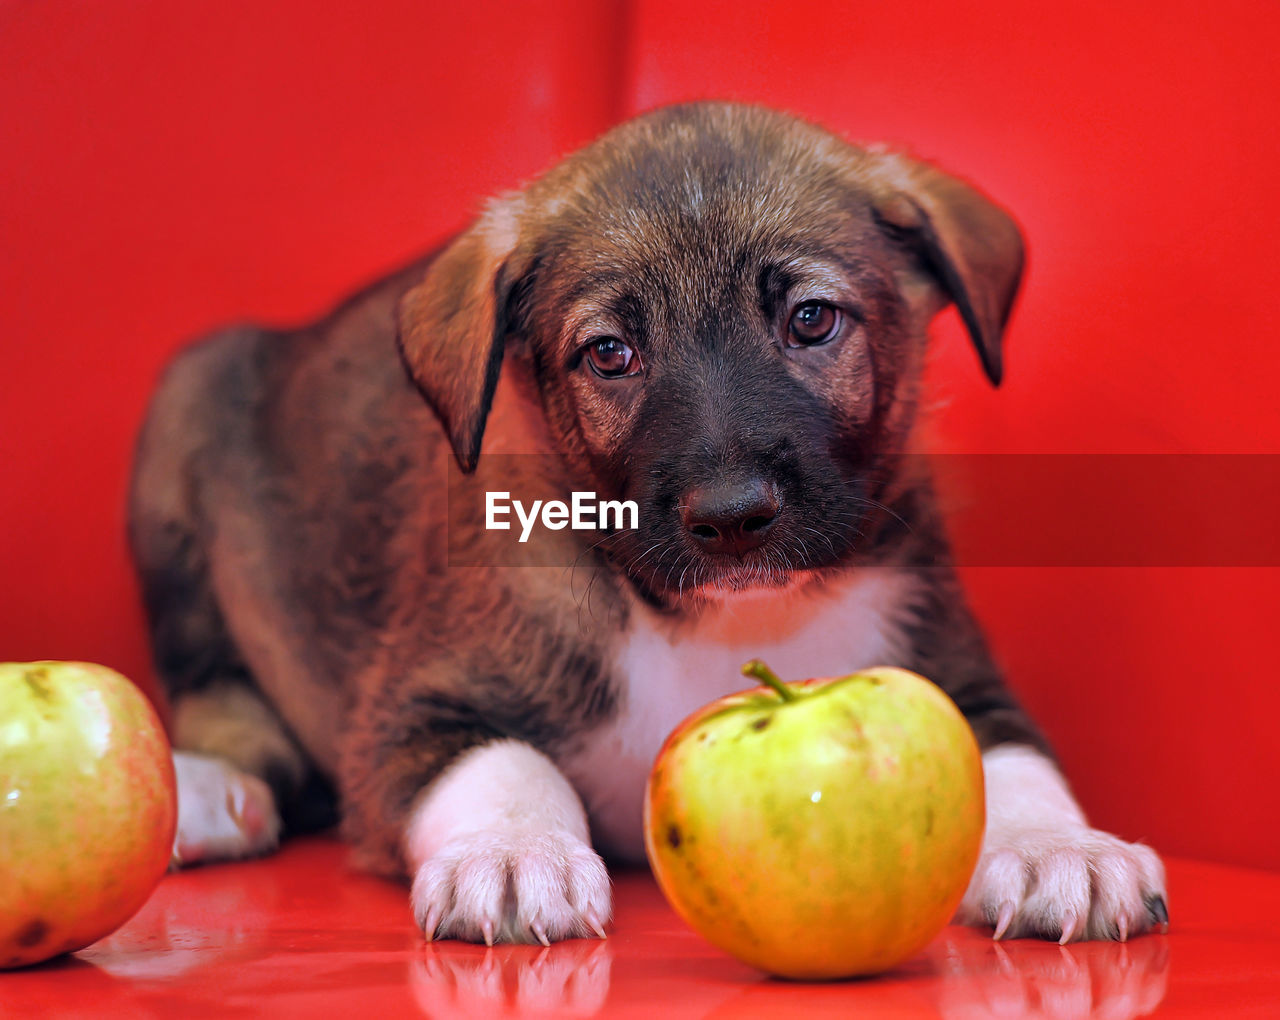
[168, 167]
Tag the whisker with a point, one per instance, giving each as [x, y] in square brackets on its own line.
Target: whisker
[868, 501]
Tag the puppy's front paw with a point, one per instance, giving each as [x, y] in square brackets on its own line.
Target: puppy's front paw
[527, 887]
[223, 813]
[1066, 884]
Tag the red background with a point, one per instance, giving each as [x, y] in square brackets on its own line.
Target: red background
[165, 168]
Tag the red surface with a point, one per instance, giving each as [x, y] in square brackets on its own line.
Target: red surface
[298, 935]
[167, 167]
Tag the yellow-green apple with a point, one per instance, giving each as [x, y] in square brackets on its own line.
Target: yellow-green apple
[821, 829]
[87, 806]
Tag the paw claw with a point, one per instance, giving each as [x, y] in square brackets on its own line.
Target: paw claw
[1002, 922]
[1069, 925]
[540, 933]
[431, 924]
[1122, 929]
[1157, 908]
[486, 929]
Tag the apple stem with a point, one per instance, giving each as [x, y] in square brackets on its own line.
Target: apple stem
[765, 675]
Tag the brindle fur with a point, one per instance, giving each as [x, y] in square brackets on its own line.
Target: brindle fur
[289, 510]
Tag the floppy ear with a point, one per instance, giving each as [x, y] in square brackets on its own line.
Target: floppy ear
[971, 245]
[452, 326]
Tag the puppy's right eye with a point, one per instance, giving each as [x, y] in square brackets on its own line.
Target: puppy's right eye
[813, 323]
[611, 358]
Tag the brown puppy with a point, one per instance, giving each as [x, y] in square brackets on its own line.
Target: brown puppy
[715, 312]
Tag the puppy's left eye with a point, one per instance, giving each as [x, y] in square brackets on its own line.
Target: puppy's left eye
[812, 323]
[611, 358]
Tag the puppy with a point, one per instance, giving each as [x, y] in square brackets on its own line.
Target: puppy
[715, 312]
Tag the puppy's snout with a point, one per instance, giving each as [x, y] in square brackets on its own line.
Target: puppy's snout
[730, 517]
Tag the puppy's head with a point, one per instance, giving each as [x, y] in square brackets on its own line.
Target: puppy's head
[724, 309]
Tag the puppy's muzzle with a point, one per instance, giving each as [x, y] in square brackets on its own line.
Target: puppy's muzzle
[730, 517]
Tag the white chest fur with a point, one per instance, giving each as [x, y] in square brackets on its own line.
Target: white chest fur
[670, 667]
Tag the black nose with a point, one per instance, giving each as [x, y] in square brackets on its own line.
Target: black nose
[730, 517]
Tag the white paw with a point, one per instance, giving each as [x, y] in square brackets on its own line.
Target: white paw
[512, 887]
[1068, 884]
[223, 813]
